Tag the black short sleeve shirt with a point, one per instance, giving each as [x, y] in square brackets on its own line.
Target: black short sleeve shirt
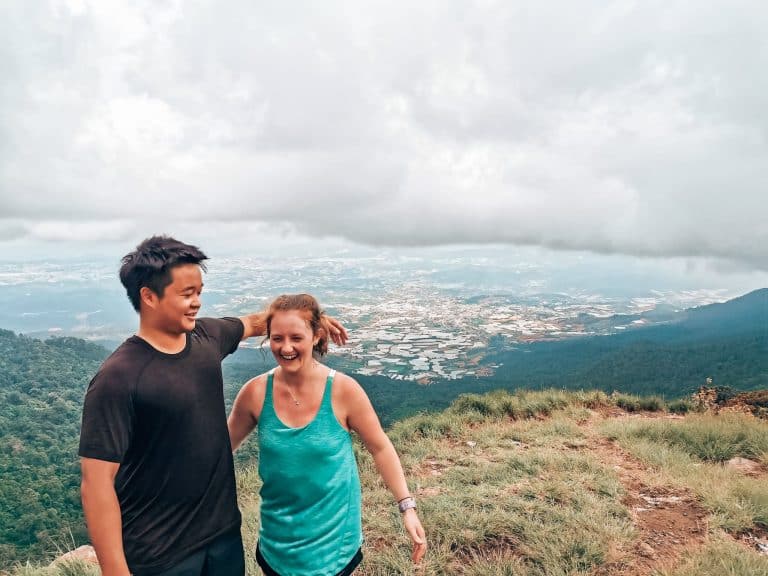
[162, 418]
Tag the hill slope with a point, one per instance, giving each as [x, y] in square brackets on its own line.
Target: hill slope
[566, 483]
[42, 384]
[727, 342]
[552, 482]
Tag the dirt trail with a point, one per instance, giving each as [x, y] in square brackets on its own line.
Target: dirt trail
[669, 521]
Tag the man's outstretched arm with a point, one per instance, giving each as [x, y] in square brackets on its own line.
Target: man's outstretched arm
[256, 325]
[102, 515]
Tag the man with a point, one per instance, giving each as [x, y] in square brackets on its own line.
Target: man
[158, 483]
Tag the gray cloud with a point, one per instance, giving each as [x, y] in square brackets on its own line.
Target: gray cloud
[632, 128]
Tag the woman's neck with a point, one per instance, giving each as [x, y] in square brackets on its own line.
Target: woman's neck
[304, 377]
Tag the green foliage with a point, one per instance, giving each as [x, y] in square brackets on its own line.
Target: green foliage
[662, 364]
[507, 485]
[42, 384]
[680, 406]
[520, 404]
[427, 426]
[634, 403]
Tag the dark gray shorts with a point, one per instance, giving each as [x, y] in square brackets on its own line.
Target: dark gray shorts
[222, 557]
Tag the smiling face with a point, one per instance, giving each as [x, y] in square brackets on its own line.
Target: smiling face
[291, 339]
[174, 312]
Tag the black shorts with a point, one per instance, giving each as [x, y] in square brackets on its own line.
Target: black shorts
[221, 557]
[346, 571]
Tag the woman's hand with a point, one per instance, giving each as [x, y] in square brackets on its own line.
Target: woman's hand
[416, 532]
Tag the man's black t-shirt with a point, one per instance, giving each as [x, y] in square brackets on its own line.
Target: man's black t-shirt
[162, 417]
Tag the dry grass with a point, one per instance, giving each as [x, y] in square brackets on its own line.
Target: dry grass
[690, 452]
[517, 485]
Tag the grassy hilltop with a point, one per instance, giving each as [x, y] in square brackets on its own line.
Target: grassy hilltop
[560, 483]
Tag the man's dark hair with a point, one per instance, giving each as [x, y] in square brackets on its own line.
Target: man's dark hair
[151, 263]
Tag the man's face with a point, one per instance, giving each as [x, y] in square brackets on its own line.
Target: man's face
[180, 302]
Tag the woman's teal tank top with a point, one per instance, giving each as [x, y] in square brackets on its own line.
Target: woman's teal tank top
[310, 499]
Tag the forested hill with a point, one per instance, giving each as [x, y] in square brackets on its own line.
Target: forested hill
[42, 384]
[727, 342]
[743, 315]
[746, 313]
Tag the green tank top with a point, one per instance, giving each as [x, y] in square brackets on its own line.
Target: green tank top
[310, 497]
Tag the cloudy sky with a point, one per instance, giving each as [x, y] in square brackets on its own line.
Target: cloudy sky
[635, 128]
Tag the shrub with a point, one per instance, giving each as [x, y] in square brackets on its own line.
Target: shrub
[710, 438]
[627, 402]
[484, 405]
[651, 403]
[680, 406]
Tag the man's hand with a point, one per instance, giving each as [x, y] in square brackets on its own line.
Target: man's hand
[334, 329]
[256, 325]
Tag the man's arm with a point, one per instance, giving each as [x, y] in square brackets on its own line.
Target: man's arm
[256, 325]
[102, 515]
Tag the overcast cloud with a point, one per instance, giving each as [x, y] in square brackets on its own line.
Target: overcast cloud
[626, 127]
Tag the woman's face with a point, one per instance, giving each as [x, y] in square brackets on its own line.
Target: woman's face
[291, 339]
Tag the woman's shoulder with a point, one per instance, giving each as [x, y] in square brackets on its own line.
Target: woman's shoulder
[341, 379]
[256, 386]
[260, 380]
[346, 386]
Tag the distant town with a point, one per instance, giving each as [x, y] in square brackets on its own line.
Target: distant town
[406, 326]
[410, 319]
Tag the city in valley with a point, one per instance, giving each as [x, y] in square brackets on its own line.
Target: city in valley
[410, 318]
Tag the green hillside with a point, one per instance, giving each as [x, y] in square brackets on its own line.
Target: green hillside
[42, 384]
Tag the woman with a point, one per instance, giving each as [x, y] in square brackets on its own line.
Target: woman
[310, 498]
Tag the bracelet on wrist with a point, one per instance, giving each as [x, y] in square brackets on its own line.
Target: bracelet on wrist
[407, 503]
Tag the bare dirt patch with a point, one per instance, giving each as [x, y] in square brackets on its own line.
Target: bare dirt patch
[431, 467]
[669, 521]
[429, 491]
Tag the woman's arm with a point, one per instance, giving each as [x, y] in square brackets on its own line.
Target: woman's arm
[362, 418]
[246, 410]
